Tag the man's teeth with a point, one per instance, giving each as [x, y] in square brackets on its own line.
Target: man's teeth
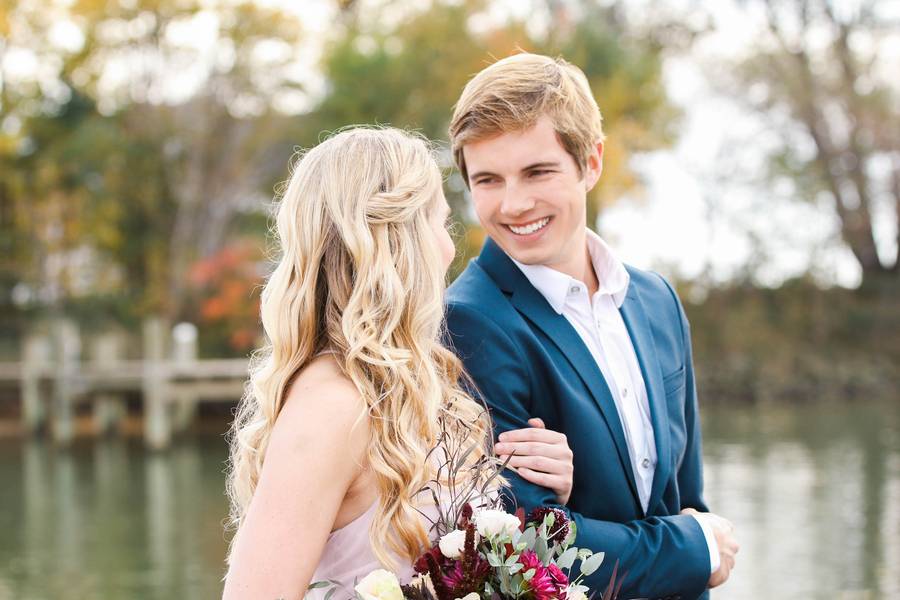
[530, 228]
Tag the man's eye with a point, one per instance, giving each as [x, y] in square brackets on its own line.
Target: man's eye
[539, 172]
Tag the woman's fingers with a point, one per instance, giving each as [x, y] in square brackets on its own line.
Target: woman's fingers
[559, 451]
[533, 434]
[539, 455]
[561, 486]
[541, 464]
[544, 479]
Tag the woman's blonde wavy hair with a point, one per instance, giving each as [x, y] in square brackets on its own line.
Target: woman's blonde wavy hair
[360, 274]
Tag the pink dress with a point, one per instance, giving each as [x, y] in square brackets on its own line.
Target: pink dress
[348, 556]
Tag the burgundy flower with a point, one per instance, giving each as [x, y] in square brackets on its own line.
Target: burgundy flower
[465, 515]
[541, 585]
[461, 583]
[560, 527]
[421, 565]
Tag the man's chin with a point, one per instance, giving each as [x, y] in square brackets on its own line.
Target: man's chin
[531, 257]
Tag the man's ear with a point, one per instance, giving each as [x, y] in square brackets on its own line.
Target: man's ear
[593, 167]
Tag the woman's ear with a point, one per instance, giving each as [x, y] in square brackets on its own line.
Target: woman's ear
[593, 167]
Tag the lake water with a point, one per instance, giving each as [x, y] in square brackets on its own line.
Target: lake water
[814, 491]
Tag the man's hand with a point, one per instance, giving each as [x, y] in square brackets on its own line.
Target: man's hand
[723, 529]
[540, 455]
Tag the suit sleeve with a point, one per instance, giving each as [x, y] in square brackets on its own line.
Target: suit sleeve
[656, 557]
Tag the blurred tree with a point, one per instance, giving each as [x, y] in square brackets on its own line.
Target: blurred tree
[822, 78]
[223, 286]
[410, 69]
[136, 135]
[150, 124]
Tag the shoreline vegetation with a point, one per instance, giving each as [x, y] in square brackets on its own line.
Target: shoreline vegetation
[797, 343]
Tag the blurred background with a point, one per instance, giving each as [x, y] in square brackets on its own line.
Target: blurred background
[753, 158]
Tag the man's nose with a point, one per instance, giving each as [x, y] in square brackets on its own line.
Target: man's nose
[516, 201]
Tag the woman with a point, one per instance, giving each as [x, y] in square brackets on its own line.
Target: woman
[333, 439]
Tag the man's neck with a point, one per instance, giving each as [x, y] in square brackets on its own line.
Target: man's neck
[582, 270]
[590, 276]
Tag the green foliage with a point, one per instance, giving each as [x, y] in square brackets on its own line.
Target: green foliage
[797, 343]
[116, 190]
[819, 78]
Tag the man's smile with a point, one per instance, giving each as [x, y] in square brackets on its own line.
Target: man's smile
[530, 227]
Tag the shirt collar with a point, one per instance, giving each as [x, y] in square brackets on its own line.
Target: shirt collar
[556, 286]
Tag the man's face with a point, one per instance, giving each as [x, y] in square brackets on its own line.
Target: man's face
[530, 195]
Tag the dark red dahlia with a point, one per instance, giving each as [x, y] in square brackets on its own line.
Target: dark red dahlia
[421, 565]
[559, 531]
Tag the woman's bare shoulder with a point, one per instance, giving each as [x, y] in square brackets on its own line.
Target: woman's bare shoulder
[322, 402]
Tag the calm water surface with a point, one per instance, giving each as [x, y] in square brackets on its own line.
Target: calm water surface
[814, 491]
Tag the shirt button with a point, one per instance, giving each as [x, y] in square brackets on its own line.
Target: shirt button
[624, 392]
[574, 289]
[645, 463]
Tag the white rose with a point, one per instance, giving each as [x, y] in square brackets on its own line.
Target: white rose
[492, 523]
[470, 596]
[423, 580]
[380, 585]
[575, 594]
[452, 544]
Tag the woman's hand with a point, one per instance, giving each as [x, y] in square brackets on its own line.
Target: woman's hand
[539, 455]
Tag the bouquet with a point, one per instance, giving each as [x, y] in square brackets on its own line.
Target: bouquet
[494, 555]
[485, 552]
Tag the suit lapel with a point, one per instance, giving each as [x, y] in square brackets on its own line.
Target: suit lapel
[528, 301]
[635, 316]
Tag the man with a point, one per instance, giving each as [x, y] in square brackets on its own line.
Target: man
[550, 325]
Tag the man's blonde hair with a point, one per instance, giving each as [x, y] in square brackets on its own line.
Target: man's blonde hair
[513, 93]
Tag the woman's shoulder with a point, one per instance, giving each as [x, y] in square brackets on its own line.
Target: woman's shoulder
[322, 405]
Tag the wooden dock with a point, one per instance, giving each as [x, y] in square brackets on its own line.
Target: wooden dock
[52, 380]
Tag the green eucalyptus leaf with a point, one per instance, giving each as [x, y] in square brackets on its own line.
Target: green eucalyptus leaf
[567, 558]
[573, 533]
[592, 563]
[527, 575]
[528, 537]
[549, 520]
[542, 550]
[318, 584]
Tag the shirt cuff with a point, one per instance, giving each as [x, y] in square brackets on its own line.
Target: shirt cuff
[714, 558]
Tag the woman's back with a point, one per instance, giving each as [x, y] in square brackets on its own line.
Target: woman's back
[312, 480]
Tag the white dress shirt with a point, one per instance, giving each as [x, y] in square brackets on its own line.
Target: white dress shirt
[600, 326]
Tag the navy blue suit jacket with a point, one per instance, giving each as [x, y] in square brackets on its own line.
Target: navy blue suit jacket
[528, 361]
